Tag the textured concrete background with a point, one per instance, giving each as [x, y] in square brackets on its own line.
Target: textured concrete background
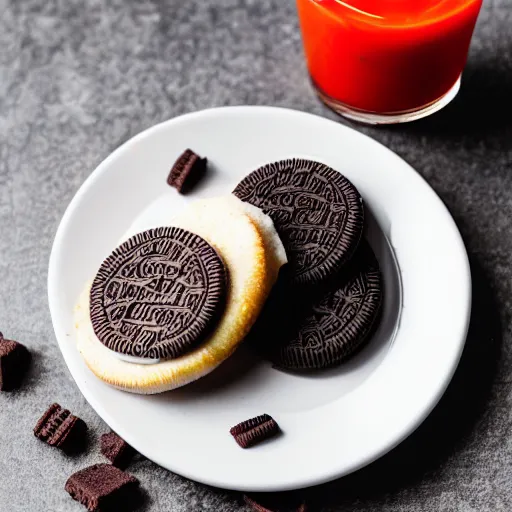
[79, 77]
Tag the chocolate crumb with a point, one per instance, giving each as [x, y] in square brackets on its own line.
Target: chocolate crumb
[58, 427]
[187, 171]
[116, 450]
[102, 487]
[254, 430]
[14, 362]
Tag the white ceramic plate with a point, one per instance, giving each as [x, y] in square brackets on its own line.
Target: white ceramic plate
[333, 422]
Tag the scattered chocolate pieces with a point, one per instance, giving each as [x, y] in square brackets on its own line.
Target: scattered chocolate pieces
[58, 427]
[275, 502]
[255, 430]
[116, 450]
[187, 171]
[14, 361]
[102, 487]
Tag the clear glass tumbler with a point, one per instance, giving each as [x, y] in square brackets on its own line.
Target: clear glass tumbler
[387, 61]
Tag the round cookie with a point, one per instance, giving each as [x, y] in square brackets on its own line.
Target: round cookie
[335, 323]
[157, 294]
[317, 212]
[253, 255]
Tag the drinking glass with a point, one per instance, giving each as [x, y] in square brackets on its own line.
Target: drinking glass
[387, 61]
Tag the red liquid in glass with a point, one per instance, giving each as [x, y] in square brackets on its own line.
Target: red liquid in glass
[386, 56]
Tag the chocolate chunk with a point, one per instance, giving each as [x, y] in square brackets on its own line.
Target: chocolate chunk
[158, 294]
[102, 487]
[116, 450]
[255, 505]
[317, 212]
[14, 362]
[328, 328]
[254, 430]
[275, 502]
[187, 171]
[58, 427]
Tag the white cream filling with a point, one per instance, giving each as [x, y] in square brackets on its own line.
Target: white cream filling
[133, 359]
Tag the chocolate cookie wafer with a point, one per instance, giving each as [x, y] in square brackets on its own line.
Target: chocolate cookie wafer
[317, 212]
[330, 327]
[157, 294]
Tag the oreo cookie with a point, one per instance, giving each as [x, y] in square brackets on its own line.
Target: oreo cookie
[317, 212]
[330, 326]
[158, 294]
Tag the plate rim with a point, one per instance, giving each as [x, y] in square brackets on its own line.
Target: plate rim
[104, 414]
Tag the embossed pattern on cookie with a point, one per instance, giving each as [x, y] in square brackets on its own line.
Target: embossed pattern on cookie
[337, 322]
[157, 294]
[317, 212]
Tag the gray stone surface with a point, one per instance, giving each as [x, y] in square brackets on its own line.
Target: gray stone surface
[79, 77]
